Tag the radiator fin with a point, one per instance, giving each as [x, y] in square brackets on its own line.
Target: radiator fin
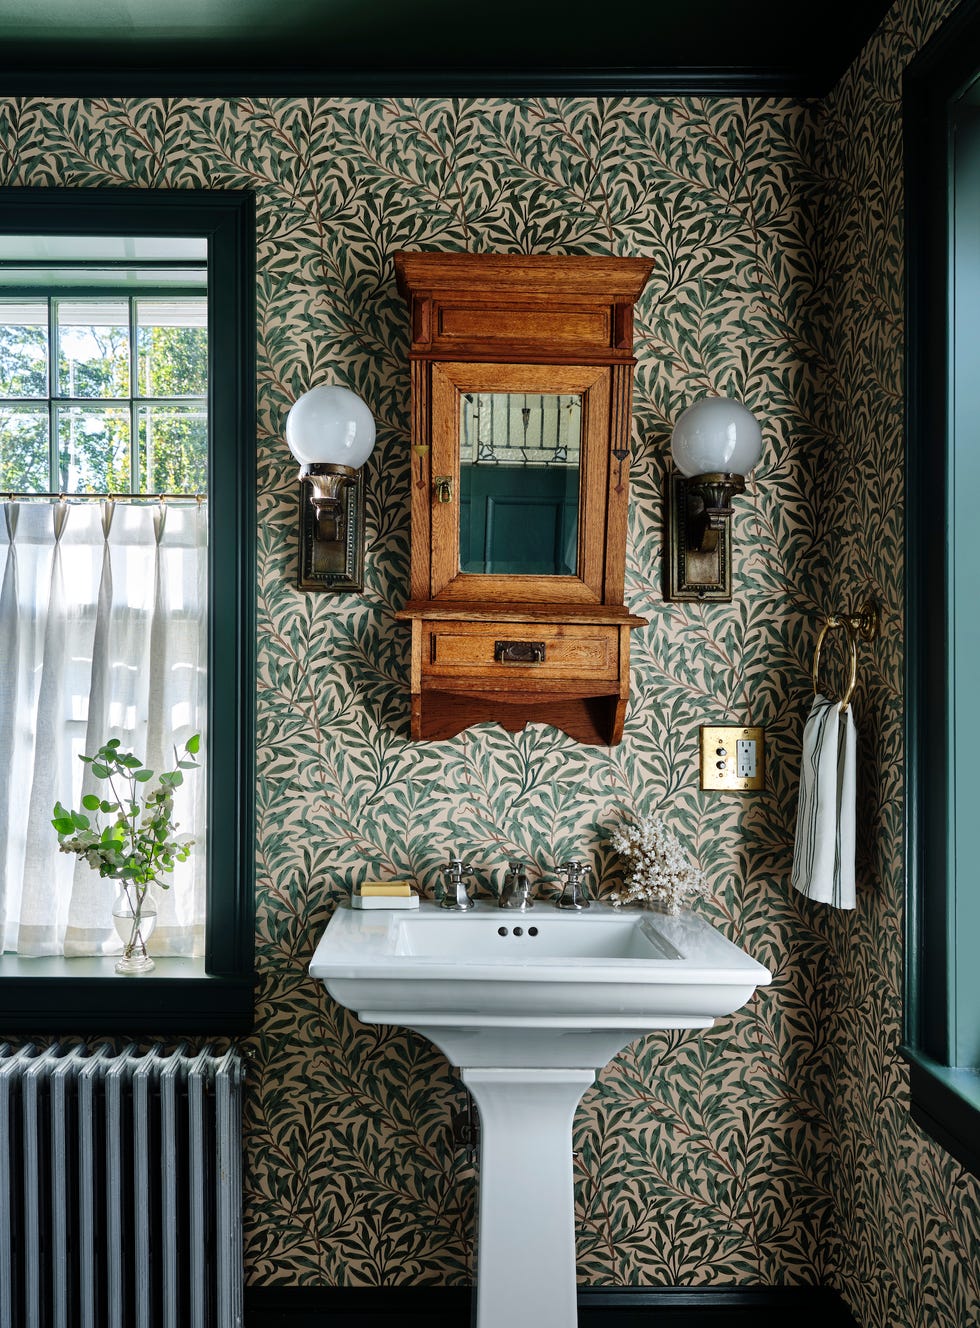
[120, 1188]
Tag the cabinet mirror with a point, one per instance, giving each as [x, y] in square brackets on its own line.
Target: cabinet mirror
[520, 466]
[519, 483]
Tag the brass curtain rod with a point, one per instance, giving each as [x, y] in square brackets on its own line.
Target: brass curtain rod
[108, 497]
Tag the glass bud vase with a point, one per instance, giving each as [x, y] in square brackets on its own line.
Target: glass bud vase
[134, 914]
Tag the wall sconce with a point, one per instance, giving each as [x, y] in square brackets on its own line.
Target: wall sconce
[330, 431]
[715, 443]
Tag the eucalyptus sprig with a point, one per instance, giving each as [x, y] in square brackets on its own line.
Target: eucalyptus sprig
[140, 841]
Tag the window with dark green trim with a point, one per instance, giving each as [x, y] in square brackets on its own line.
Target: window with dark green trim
[942, 988]
[102, 389]
[213, 994]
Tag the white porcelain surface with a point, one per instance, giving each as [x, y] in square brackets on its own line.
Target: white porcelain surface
[529, 1006]
[525, 1250]
[601, 970]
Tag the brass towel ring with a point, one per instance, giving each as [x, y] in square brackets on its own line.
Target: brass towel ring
[864, 623]
[829, 625]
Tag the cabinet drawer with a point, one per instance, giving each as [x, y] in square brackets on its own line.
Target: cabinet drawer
[586, 327]
[520, 650]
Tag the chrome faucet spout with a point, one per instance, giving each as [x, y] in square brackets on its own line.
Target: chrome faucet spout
[516, 891]
[573, 891]
[455, 895]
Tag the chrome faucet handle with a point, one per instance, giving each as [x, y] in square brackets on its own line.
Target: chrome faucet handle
[455, 894]
[516, 891]
[573, 891]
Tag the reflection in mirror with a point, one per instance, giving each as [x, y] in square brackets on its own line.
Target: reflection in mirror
[519, 483]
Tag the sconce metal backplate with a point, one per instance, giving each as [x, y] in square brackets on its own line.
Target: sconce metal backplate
[332, 565]
[690, 575]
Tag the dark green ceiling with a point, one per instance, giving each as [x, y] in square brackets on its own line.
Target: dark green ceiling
[378, 46]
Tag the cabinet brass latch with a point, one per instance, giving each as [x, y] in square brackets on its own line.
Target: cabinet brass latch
[443, 485]
[519, 652]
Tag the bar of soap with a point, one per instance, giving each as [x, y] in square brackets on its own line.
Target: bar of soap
[369, 889]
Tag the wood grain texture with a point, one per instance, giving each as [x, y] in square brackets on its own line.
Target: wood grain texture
[549, 275]
[448, 383]
[421, 481]
[617, 483]
[568, 652]
[517, 323]
[594, 720]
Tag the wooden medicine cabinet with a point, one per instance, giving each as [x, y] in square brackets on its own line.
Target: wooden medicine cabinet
[522, 371]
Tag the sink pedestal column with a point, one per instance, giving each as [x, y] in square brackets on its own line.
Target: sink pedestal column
[526, 1230]
[528, 1019]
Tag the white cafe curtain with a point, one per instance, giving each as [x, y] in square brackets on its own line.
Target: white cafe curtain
[103, 634]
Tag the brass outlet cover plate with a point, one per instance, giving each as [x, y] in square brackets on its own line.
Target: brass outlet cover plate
[733, 757]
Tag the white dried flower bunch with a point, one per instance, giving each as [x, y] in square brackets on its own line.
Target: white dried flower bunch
[659, 871]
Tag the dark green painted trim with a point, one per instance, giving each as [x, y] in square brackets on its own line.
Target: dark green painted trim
[157, 1006]
[35, 77]
[308, 48]
[231, 619]
[117, 210]
[926, 629]
[620, 1307]
[946, 1105]
[941, 71]
[221, 999]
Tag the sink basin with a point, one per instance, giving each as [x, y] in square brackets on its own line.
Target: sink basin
[598, 971]
[591, 935]
[529, 1006]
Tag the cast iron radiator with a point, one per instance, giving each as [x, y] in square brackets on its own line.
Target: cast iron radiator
[120, 1188]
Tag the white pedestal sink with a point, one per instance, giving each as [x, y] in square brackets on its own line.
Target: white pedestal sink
[529, 1006]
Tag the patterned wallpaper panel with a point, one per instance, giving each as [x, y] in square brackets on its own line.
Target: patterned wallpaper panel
[905, 1232]
[701, 1158]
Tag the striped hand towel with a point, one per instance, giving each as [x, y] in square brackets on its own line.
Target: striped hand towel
[823, 859]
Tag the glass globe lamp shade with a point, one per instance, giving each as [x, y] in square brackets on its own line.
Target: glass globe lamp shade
[716, 436]
[330, 426]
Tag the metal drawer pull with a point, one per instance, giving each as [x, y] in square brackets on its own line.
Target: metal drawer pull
[518, 652]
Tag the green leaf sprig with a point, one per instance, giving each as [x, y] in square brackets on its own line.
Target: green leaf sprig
[139, 843]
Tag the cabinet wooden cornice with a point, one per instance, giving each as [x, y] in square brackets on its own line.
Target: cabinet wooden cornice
[522, 370]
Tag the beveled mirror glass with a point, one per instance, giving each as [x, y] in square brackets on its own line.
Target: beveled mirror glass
[519, 456]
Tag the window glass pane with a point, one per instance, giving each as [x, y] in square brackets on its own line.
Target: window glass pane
[93, 449]
[172, 341]
[93, 348]
[24, 449]
[173, 448]
[23, 348]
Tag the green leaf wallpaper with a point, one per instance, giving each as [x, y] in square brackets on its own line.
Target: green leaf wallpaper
[905, 1227]
[697, 1157]
[774, 1148]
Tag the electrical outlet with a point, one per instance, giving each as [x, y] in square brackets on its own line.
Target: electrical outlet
[745, 759]
[732, 758]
